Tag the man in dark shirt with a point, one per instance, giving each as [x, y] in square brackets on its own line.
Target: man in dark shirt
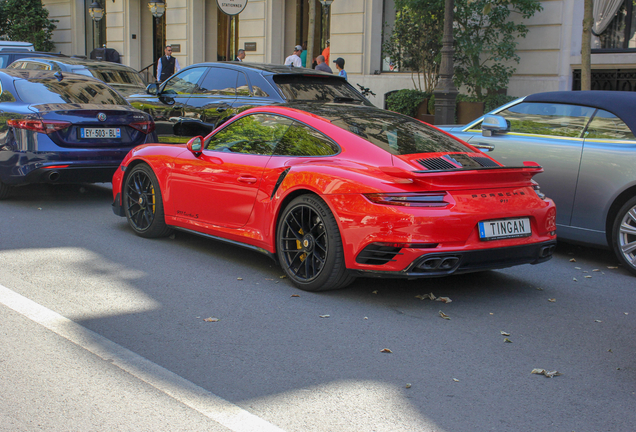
[322, 66]
[167, 65]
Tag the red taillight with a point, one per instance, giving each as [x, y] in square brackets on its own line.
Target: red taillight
[550, 220]
[144, 126]
[46, 126]
[435, 199]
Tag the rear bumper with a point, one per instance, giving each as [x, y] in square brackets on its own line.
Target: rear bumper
[447, 263]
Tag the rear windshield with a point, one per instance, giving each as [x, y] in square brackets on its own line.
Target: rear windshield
[399, 135]
[303, 88]
[45, 91]
[118, 77]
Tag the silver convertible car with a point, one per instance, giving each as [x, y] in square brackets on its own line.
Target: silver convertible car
[585, 141]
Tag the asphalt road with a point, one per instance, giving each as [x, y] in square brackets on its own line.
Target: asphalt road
[101, 330]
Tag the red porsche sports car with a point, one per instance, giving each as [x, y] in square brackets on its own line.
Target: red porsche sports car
[337, 191]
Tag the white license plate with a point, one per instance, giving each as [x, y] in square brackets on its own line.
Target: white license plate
[504, 228]
[100, 132]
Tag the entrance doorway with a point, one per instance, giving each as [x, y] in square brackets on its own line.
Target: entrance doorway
[158, 39]
[227, 36]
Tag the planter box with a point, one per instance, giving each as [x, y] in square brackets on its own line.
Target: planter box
[427, 118]
[469, 111]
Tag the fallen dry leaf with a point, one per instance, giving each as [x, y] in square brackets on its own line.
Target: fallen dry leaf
[503, 333]
[324, 316]
[295, 295]
[239, 278]
[574, 279]
[577, 268]
[455, 379]
[598, 321]
[572, 260]
[540, 289]
[443, 315]
[612, 267]
[374, 292]
[506, 340]
[386, 350]
[211, 319]
[546, 373]
[408, 385]
[443, 299]
[596, 270]
[588, 277]
[552, 300]
[282, 277]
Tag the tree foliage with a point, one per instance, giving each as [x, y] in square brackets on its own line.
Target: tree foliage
[27, 21]
[485, 36]
[416, 41]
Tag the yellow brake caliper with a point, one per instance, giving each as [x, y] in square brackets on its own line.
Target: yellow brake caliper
[300, 246]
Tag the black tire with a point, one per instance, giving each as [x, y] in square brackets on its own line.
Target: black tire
[4, 190]
[143, 204]
[624, 235]
[309, 246]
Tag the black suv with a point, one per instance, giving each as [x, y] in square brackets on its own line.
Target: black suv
[200, 97]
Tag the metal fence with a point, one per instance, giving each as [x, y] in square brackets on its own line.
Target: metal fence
[608, 79]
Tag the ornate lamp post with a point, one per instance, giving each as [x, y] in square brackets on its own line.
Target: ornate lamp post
[326, 2]
[445, 91]
[96, 11]
[157, 8]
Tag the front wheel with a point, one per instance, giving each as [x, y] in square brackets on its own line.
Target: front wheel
[309, 246]
[624, 235]
[143, 204]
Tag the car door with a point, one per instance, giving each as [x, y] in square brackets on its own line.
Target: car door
[607, 168]
[168, 107]
[212, 102]
[219, 187]
[549, 134]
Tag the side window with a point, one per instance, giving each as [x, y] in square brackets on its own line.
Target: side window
[301, 140]
[253, 134]
[184, 82]
[36, 66]
[219, 82]
[606, 125]
[547, 118]
[242, 89]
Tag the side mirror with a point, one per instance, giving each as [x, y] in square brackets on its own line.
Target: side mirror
[152, 89]
[493, 124]
[195, 145]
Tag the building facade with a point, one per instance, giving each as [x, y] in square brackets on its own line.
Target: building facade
[269, 29]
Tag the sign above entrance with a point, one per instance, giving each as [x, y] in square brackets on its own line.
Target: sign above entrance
[231, 7]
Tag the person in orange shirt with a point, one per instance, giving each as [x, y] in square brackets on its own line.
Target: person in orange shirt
[325, 52]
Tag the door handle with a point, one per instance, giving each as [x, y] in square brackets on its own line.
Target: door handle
[484, 147]
[247, 179]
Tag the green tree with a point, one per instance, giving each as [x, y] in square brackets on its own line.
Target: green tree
[28, 21]
[486, 41]
[415, 42]
[485, 37]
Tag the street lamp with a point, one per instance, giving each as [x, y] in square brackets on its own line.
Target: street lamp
[445, 92]
[157, 8]
[96, 11]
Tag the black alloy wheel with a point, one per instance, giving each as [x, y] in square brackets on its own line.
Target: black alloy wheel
[142, 203]
[624, 235]
[309, 246]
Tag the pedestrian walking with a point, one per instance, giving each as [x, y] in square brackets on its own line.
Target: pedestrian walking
[167, 65]
[294, 59]
[340, 66]
[240, 55]
[322, 66]
[326, 52]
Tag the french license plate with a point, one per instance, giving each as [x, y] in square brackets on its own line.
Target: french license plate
[100, 133]
[504, 228]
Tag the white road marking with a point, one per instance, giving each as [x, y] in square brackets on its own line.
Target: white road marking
[227, 414]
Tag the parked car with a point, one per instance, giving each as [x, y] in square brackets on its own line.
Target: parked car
[58, 127]
[202, 96]
[585, 142]
[124, 79]
[338, 191]
[17, 46]
[9, 55]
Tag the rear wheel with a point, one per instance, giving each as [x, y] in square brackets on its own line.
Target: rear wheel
[143, 204]
[309, 246]
[624, 235]
[4, 190]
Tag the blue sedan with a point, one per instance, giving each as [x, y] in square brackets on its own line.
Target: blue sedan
[64, 127]
[586, 143]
